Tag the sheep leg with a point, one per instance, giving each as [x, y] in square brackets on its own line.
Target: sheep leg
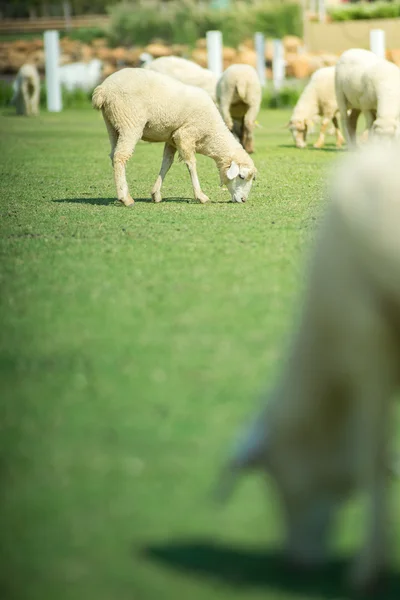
[247, 140]
[198, 194]
[123, 150]
[351, 127]
[168, 159]
[237, 129]
[248, 128]
[224, 108]
[369, 119]
[26, 99]
[321, 138]
[348, 118]
[35, 101]
[373, 419]
[339, 136]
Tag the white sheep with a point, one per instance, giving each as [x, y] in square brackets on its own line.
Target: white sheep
[371, 85]
[26, 90]
[239, 100]
[81, 76]
[317, 99]
[324, 434]
[141, 104]
[185, 71]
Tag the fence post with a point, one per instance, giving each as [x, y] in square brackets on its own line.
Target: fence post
[67, 14]
[278, 65]
[259, 43]
[321, 11]
[377, 42]
[52, 58]
[214, 52]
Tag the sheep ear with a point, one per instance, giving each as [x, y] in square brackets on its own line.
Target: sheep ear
[233, 171]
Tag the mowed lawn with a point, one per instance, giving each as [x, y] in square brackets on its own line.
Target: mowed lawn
[133, 344]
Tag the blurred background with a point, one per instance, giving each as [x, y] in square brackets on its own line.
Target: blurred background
[119, 34]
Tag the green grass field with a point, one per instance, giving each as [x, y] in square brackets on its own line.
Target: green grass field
[133, 344]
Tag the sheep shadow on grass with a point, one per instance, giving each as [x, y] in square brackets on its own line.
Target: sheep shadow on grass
[249, 568]
[311, 147]
[114, 202]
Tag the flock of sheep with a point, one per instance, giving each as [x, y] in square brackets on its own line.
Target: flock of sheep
[325, 431]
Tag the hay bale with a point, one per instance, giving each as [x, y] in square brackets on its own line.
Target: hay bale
[246, 56]
[201, 44]
[200, 57]
[292, 43]
[157, 50]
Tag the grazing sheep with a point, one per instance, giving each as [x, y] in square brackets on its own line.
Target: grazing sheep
[26, 88]
[317, 99]
[81, 76]
[185, 71]
[239, 100]
[324, 433]
[141, 104]
[371, 85]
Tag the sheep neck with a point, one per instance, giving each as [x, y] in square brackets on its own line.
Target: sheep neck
[307, 105]
[221, 146]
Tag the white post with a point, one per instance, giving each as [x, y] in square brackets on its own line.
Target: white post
[52, 59]
[214, 52]
[259, 43]
[321, 11]
[278, 65]
[377, 42]
[67, 14]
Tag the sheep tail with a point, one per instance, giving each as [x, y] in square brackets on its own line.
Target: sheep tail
[241, 88]
[98, 98]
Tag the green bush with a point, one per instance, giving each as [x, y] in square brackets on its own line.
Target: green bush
[362, 10]
[6, 93]
[185, 22]
[86, 34]
[286, 97]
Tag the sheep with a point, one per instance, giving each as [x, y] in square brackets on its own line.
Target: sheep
[239, 100]
[323, 435]
[141, 104]
[80, 75]
[26, 90]
[318, 98]
[185, 71]
[371, 85]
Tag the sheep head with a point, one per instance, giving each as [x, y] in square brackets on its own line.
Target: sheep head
[238, 178]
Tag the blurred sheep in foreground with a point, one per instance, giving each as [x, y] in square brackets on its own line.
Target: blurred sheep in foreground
[324, 434]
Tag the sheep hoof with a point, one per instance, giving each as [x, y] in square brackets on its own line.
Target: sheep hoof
[318, 145]
[156, 197]
[203, 198]
[129, 201]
